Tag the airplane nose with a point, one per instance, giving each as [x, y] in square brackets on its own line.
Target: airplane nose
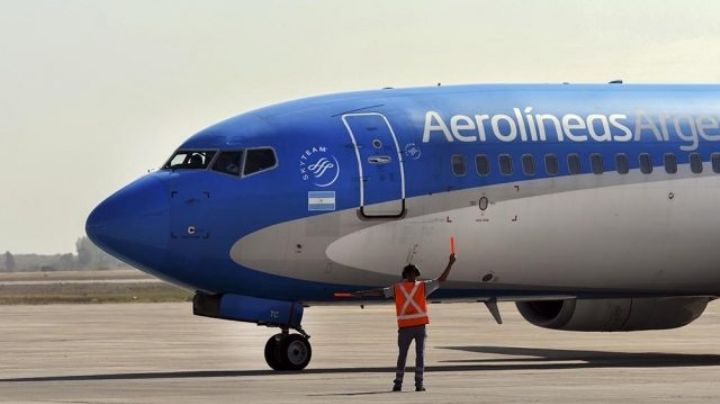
[133, 224]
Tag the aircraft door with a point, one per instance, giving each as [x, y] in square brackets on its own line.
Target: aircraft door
[380, 165]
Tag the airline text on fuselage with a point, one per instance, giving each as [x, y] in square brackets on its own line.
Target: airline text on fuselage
[525, 126]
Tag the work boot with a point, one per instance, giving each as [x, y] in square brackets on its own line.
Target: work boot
[419, 388]
[397, 387]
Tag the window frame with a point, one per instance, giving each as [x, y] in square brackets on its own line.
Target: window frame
[477, 167]
[715, 158]
[673, 158]
[691, 159]
[643, 168]
[199, 150]
[626, 163]
[579, 163]
[245, 158]
[242, 163]
[597, 157]
[557, 164]
[464, 165]
[500, 166]
[532, 162]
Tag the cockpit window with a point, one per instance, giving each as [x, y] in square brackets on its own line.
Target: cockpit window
[229, 162]
[189, 159]
[259, 160]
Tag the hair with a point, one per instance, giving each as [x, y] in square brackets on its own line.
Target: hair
[408, 269]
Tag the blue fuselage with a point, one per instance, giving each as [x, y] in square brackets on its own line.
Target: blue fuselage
[362, 150]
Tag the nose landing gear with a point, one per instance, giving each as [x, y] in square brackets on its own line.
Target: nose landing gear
[285, 351]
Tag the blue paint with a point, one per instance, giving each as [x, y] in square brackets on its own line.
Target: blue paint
[263, 311]
[180, 225]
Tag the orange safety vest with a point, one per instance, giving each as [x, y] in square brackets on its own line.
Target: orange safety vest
[410, 304]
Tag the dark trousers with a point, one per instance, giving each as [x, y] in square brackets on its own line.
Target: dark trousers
[405, 337]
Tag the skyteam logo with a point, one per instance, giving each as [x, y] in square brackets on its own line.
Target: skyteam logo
[319, 167]
[413, 151]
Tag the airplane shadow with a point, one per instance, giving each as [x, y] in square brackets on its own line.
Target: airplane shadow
[544, 358]
[529, 359]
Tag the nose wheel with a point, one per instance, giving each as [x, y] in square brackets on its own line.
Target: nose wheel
[286, 351]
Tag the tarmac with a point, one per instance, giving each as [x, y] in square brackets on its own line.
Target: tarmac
[161, 353]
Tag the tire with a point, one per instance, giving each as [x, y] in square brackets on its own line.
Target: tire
[272, 352]
[295, 352]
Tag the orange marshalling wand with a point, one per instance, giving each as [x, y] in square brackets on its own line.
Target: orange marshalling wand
[452, 244]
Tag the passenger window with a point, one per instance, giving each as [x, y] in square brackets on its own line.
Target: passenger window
[696, 164]
[259, 160]
[528, 163]
[716, 162]
[622, 165]
[551, 164]
[646, 166]
[458, 165]
[574, 165]
[229, 162]
[189, 159]
[505, 164]
[596, 162]
[670, 163]
[482, 165]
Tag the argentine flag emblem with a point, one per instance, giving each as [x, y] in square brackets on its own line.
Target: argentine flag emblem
[321, 200]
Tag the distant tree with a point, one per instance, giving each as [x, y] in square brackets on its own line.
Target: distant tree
[84, 252]
[9, 262]
[66, 261]
[89, 256]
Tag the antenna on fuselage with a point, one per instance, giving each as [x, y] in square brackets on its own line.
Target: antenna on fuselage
[411, 254]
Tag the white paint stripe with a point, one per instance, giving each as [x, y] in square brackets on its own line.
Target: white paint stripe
[408, 297]
[410, 300]
[321, 201]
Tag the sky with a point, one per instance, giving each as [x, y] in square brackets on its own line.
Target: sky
[93, 94]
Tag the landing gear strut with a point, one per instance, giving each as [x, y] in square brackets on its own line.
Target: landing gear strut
[285, 351]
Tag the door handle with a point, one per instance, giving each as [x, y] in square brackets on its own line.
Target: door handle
[379, 159]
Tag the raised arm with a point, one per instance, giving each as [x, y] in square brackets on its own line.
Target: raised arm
[446, 272]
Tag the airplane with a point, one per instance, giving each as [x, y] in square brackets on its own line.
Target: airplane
[593, 207]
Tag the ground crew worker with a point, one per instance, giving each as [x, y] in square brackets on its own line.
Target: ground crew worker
[412, 316]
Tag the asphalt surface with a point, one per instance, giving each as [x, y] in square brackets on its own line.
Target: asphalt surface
[161, 353]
